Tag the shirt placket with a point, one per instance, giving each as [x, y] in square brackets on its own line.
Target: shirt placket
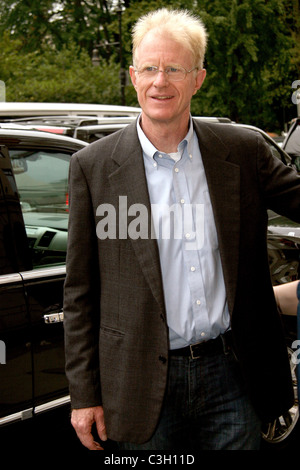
[197, 315]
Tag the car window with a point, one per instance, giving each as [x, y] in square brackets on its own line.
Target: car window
[14, 254]
[42, 181]
[41, 178]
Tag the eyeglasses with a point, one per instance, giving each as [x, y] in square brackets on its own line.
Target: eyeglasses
[175, 74]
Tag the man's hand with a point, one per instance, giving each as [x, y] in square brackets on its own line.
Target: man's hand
[82, 420]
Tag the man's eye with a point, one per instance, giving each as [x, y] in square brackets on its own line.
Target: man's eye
[173, 70]
[149, 69]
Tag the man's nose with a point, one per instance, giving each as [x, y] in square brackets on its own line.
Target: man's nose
[161, 78]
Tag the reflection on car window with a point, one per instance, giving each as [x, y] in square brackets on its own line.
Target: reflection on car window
[42, 181]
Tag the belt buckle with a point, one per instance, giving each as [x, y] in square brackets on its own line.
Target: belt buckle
[192, 352]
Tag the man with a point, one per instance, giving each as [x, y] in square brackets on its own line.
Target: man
[166, 334]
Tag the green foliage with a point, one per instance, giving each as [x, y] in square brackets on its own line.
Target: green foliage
[248, 62]
[57, 76]
[252, 58]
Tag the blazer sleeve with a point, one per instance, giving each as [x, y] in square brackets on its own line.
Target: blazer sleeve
[81, 307]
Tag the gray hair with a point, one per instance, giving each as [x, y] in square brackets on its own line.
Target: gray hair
[180, 25]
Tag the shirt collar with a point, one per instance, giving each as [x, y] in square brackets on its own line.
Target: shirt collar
[149, 149]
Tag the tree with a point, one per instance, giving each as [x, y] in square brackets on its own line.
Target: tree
[40, 23]
[252, 58]
[248, 60]
[59, 76]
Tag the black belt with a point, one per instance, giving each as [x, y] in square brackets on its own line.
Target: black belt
[220, 344]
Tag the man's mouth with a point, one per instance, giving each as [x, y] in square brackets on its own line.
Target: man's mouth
[162, 98]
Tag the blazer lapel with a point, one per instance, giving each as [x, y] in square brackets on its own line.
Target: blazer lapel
[223, 180]
[129, 180]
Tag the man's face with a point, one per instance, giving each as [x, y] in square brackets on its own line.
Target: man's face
[160, 98]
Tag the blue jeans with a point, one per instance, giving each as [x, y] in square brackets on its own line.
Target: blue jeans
[206, 407]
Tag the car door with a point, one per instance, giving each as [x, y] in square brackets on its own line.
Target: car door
[44, 289]
[41, 175]
[16, 378]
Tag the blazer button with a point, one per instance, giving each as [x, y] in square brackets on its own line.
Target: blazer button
[162, 359]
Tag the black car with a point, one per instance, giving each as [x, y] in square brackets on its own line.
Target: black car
[33, 237]
[34, 395]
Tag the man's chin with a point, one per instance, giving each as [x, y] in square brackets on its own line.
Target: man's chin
[161, 116]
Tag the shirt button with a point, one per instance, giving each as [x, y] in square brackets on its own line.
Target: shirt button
[198, 302]
[187, 235]
[155, 165]
[193, 268]
[191, 156]
[182, 201]
[202, 334]
[160, 155]
[176, 170]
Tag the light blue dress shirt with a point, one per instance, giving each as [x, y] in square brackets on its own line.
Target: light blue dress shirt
[183, 224]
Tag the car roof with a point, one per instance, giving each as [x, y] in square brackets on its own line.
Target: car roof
[37, 138]
[68, 119]
[65, 125]
[9, 110]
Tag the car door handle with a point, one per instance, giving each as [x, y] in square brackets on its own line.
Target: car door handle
[54, 317]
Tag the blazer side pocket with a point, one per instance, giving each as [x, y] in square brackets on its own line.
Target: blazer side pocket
[111, 331]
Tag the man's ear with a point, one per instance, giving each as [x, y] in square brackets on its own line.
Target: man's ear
[132, 75]
[200, 79]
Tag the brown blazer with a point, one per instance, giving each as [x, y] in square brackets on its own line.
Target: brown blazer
[116, 332]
